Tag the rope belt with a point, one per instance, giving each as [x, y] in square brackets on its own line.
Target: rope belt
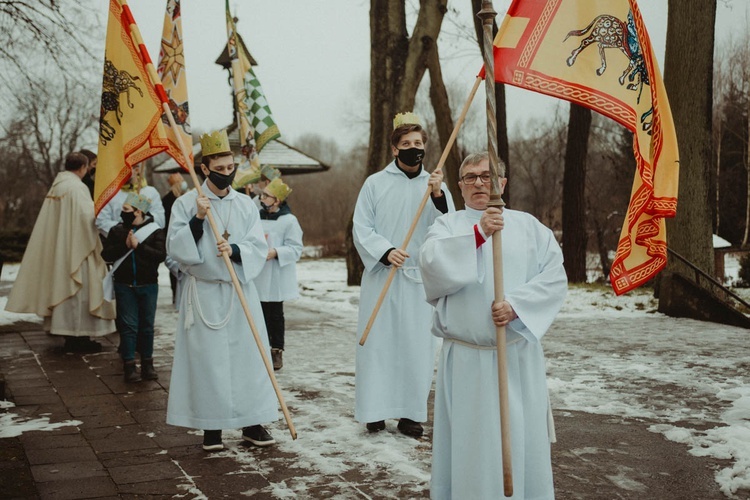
[411, 273]
[550, 419]
[479, 346]
[190, 299]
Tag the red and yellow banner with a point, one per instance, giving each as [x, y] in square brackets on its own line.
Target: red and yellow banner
[171, 70]
[130, 127]
[597, 53]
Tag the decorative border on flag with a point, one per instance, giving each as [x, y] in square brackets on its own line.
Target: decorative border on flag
[602, 103]
[540, 28]
[269, 134]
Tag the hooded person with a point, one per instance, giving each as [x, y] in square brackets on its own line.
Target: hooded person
[64, 248]
[219, 380]
[277, 281]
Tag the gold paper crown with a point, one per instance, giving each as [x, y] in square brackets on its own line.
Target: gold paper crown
[138, 202]
[215, 143]
[270, 172]
[246, 176]
[280, 190]
[407, 118]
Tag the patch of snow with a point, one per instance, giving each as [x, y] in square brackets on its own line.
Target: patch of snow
[13, 425]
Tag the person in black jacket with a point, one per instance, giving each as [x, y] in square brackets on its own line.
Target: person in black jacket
[136, 247]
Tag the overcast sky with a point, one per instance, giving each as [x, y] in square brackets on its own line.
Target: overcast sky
[314, 58]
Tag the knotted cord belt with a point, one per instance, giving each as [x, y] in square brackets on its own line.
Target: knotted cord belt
[190, 298]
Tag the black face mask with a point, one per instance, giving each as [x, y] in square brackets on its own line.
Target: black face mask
[221, 181]
[411, 157]
[265, 207]
[127, 218]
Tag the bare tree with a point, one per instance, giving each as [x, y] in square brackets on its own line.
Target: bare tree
[609, 178]
[46, 124]
[539, 160]
[48, 28]
[398, 63]
[732, 103]
[690, 73]
[574, 185]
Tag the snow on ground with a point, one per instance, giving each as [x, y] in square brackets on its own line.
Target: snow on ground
[8, 318]
[7, 277]
[608, 355]
[12, 425]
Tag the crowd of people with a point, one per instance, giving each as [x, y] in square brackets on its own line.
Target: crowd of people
[102, 277]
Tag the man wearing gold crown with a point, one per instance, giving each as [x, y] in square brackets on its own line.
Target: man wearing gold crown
[394, 368]
[278, 280]
[218, 377]
[65, 249]
[109, 216]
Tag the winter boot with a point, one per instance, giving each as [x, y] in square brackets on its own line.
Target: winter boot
[147, 369]
[131, 372]
[276, 357]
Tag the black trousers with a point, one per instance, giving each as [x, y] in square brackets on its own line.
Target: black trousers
[273, 312]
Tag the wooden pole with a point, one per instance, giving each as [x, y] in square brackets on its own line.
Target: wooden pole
[135, 33]
[487, 14]
[422, 204]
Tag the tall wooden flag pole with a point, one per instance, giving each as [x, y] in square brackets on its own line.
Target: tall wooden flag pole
[422, 204]
[156, 82]
[487, 14]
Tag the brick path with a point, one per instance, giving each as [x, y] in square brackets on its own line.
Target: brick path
[122, 447]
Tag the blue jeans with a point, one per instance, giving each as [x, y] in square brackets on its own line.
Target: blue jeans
[136, 312]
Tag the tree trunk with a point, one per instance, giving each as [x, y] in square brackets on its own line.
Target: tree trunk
[747, 180]
[574, 200]
[716, 182]
[444, 122]
[397, 65]
[688, 77]
[503, 149]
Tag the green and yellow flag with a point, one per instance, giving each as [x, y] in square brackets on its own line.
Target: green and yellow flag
[598, 54]
[171, 70]
[256, 123]
[130, 126]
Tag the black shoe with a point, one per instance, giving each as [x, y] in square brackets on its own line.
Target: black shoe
[258, 435]
[410, 428]
[131, 373]
[278, 362]
[376, 426]
[81, 345]
[212, 441]
[147, 369]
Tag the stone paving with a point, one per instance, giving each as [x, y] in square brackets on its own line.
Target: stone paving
[119, 446]
[122, 447]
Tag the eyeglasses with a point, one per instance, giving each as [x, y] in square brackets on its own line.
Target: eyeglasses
[472, 178]
[266, 195]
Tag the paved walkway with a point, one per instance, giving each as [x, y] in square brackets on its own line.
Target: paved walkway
[117, 445]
